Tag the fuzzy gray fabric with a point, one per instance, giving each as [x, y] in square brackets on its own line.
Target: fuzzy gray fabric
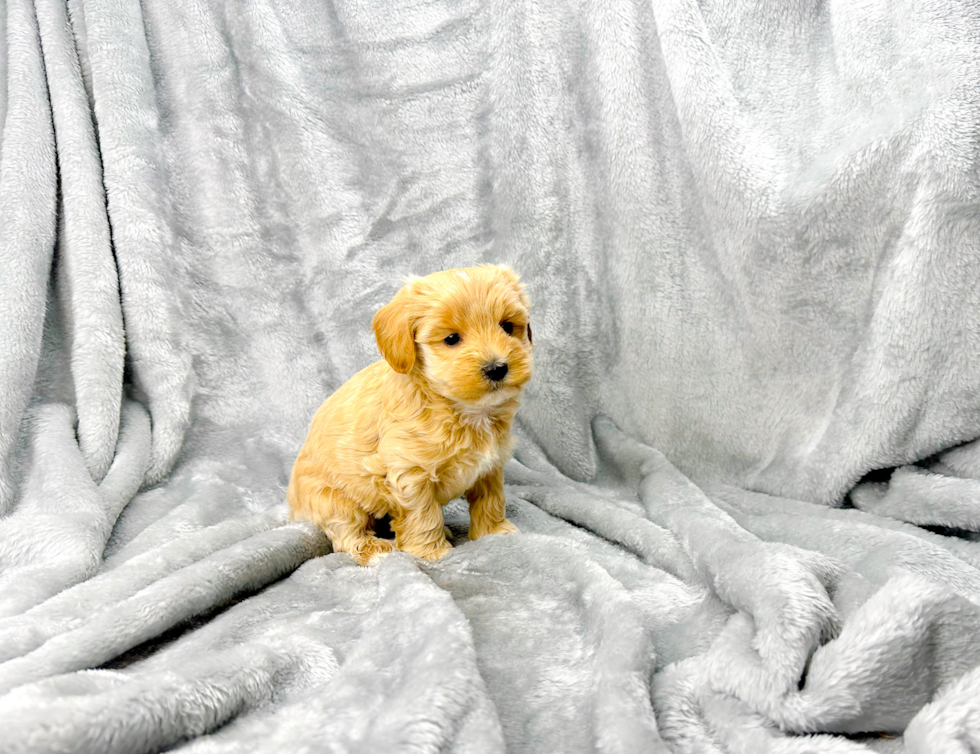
[748, 476]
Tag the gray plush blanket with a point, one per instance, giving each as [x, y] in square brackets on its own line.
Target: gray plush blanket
[748, 480]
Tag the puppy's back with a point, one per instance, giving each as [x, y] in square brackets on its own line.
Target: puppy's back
[343, 434]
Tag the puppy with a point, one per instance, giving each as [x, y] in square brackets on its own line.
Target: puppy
[427, 424]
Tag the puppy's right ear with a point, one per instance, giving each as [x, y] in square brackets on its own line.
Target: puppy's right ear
[394, 327]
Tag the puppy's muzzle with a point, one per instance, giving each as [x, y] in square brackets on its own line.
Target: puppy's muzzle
[495, 372]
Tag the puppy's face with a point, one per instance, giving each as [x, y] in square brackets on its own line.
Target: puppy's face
[466, 332]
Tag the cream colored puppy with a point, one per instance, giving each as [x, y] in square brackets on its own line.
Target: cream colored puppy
[431, 422]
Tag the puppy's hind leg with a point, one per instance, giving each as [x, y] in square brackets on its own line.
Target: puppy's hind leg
[348, 526]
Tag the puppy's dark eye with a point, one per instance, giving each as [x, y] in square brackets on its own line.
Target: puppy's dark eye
[508, 327]
[451, 340]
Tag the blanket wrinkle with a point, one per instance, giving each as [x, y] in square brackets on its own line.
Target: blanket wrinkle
[616, 645]
[128, 119]
[56, 536]
[28, 186]
[20, 634]
[787, 590]
[923, 497]
[85, 268]
[438, 641]
[866, 551]
[610, 517]
[749, 233]
[951, 722]
[851, 534]
[847, 687]
[216, 578]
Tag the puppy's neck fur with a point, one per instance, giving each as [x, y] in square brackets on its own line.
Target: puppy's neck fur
[485, 418]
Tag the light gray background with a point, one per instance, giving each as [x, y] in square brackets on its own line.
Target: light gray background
[751, 234]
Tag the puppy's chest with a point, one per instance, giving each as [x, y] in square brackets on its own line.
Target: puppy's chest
[461, 471]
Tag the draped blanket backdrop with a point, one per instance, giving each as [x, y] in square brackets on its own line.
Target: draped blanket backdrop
[748, 481]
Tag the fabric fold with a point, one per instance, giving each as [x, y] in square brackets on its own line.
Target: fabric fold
[104, 635]
[57, 535]
[87, 284]
[126, 112]
[28, 190]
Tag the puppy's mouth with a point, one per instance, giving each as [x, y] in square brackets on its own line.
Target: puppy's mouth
[496, 393]
[501, 391]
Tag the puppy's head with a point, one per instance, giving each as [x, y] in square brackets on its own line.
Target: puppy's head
[466, 332]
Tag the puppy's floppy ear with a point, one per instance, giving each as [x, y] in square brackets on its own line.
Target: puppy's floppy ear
[515, 281]
[394, 329]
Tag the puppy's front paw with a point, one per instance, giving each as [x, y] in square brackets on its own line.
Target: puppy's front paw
[430, 552]
[372, 550]
[504, 527]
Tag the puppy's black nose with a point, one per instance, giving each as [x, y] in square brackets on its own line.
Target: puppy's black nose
[495, 372]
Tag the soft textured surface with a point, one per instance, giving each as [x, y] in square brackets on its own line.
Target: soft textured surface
[752, 236]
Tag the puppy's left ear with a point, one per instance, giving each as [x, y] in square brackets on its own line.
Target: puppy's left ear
[522, 295]
[394, 329]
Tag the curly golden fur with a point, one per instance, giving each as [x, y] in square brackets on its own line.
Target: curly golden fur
[427, 424]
